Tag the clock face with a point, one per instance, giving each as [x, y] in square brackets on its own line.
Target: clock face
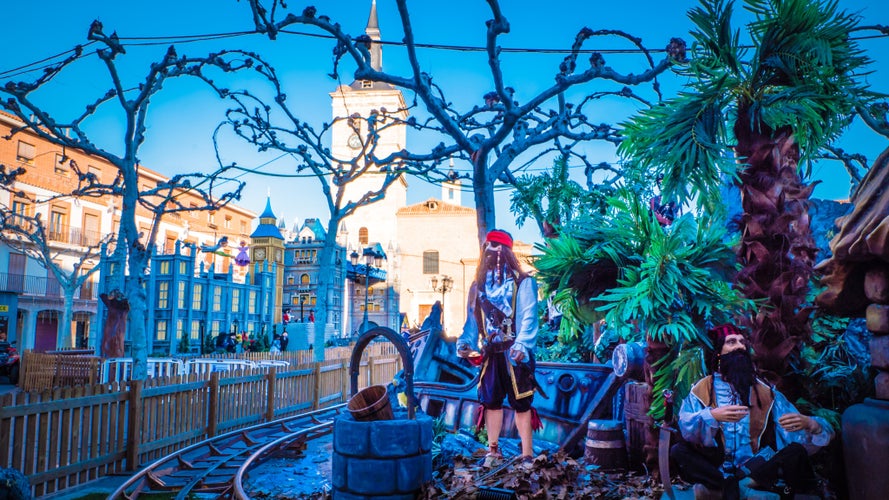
[354, 141]
[259, 254]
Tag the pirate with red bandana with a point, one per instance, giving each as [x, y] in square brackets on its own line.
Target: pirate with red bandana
[502, 323]
[741, 433]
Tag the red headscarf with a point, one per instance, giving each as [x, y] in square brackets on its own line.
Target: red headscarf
[499, 236]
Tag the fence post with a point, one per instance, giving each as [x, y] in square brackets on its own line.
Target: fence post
[316, 402]
[371, 380]
[270, 394]
[134, 434]
[213, 405]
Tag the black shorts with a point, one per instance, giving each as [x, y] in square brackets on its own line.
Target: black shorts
[502, 380]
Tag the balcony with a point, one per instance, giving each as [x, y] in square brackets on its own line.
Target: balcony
[63, 233]
[41, 286]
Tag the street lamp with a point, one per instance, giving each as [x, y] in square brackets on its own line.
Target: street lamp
[235, 324]
[447, 283]
[370, 257]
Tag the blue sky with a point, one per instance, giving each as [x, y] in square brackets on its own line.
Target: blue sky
[184, 114]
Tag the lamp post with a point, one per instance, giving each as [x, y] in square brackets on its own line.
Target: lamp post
[447, 283]
[235, 324]
[370, 257]
[302, 301]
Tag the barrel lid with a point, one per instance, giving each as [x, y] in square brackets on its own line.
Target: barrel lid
[605, 424]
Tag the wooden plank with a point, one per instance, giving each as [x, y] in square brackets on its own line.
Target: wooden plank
[6, 429]
[213, 405]
[271, 394]
[135, 427]
[20, 410]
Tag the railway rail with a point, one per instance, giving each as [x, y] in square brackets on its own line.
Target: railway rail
[219, 464]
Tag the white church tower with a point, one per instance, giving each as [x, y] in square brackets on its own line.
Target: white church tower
[375, 223]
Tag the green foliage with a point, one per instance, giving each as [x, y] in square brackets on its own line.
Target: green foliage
[565, 346]
[184, 345]
[804, 71]
[263, 343]
[439, 431]
[677, 372]
[209, 345]
[832, 378]
[553, 197]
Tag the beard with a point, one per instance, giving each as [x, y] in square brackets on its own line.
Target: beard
[737, 369]
[492, 262]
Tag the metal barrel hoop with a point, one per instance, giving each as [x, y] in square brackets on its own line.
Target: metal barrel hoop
[407, 360]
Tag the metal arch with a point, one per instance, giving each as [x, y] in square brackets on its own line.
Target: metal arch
[407, 360]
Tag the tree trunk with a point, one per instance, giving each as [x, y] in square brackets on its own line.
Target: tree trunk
[65, 339]
[325, 282]
[483, 190]
[777, 251]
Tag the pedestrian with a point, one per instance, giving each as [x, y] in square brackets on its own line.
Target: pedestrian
[742, 433]
[502, 323]
[285, 339]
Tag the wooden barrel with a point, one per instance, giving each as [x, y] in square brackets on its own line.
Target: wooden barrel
[605, 445]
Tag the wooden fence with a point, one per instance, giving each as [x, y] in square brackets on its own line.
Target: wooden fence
[59, 369]
[65, 437]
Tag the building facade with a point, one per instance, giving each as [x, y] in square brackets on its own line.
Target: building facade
[74, 225]
[188, 299]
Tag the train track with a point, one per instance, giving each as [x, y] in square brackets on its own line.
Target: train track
[219, 464]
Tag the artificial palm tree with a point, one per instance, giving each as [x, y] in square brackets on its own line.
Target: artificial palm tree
[791, 92]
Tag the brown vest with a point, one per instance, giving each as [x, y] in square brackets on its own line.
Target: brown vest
[759, 414]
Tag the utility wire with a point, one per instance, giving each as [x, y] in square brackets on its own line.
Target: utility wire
[181, 39]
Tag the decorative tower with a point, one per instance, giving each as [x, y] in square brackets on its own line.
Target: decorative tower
[267, 246]
[375, 223]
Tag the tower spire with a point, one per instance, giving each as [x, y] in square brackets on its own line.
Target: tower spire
[373, 31]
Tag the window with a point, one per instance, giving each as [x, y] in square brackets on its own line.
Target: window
[251, 302]
[214, 327]
[217, 299]
[60, 167]
[236, 300]
[290, 280]
[211, 217]
[160, 332]
[228, 222]
[367, 84]
[430, 262]
[180, 329]
[164, 267]
[163, 295]
[180, 299]
[197, 298]
[362, 236]
[195, 329]
[304, 279]
[92, 233]
[57, 224]
[193, 210]
[26, 153]
[183, 267]
[17, 262]
[243, 227]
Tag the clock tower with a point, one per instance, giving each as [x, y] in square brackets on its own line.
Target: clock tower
[375, 223]
[267, 246]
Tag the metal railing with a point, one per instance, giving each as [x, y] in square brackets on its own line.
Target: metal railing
[40, 285]
[64, 233]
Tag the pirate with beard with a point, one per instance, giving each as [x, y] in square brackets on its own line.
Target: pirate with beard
[502, 320]
[741, 433]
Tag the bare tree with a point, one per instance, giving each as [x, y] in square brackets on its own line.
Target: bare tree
[493, 134]
[29, 235]
[270, 124]
[132, 247]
